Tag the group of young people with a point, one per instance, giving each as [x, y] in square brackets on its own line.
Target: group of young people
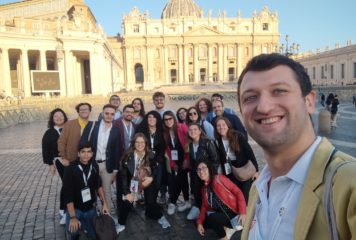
[149, 155]
[203, 152]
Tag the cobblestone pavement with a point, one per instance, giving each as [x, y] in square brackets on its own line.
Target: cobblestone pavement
[29, 195]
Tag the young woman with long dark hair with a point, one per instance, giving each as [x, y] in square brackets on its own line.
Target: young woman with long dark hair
[175, 136]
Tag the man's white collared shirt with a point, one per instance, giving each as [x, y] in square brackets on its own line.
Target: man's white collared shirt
[276, 212]
[103, 138]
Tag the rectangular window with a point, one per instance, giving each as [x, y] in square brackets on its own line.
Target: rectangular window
[331, 71]
[136, 28]
[265, 26]
[342, 71]
[322, 72]
[354, 69]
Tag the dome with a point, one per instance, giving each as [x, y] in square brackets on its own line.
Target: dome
[181, 8]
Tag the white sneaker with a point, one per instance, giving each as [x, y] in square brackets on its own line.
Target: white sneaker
[164, 222]
[63, 220]
[186, 205]
[119, 228]
[193, 213]
[171, 209]
[230, 232]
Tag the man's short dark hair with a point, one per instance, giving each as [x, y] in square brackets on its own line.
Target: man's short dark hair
[265, 62]
[114, 96]
[158, 94]
[127, 106]
[82, 104]
[217, 95]
[109, 106]
[84, 145]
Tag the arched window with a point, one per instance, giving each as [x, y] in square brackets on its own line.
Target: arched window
[139, 76]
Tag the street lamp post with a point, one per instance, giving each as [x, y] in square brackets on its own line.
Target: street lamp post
[288, 50]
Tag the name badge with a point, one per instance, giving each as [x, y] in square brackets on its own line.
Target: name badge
[134, 186]
[227, 168]
[86, 195]
[174, 154]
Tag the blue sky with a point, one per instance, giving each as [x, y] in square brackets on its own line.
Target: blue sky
[311, 23]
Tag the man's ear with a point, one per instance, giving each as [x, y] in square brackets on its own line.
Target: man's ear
[310, 101]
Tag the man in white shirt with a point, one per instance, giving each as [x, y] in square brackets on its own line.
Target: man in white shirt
[104, 137]
[276, 101]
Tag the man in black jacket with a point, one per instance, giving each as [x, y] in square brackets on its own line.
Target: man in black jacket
[81, 183]
[104, 137]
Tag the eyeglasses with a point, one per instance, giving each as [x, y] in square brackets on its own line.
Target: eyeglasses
[168, 119]
[109, 114]
[193, 113]
[202, 169]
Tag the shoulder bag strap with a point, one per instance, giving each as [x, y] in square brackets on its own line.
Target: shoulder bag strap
[328, 198]
[91, 130]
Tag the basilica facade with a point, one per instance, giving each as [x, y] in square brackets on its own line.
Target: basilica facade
[56, 47]
[186, 46]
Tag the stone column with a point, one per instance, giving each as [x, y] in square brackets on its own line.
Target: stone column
[186, 63]
[62, 73]
[240, 52]
[43, 60]
[196, 64]
[180, 64]
[166, 63]
[5, 80]
[68, 56]
[26, 86]
[210, 64]
[220, 62]
[94, 67]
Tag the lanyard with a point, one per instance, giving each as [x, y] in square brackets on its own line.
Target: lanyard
[278, 220]
[137, 163]
[152, 137]
[127, 130]
[172, 140]
[85, 179]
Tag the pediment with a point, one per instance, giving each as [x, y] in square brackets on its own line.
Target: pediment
[202, 31]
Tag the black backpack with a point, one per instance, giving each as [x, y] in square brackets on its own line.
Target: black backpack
[104, 227]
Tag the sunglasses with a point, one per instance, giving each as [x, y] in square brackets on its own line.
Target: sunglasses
[168, 119]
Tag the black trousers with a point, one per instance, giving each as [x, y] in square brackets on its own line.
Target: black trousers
[60, 169]
[153, 210]
[124, 211]
[217, 221]
[244, 186]
[196, 186]
[178, 182]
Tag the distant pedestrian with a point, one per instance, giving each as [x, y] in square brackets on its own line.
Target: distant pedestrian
[354, 100]
[329, 100]
[334, 108]
[322, 99]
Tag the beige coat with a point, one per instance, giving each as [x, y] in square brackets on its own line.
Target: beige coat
[69, 139]
[311, 217]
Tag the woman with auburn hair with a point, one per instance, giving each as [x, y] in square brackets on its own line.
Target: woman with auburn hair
[139, 110]
[235, 152]
[204, 106]
[139, 173]
[175, 136]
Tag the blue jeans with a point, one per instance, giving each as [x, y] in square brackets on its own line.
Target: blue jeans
[86, 221]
